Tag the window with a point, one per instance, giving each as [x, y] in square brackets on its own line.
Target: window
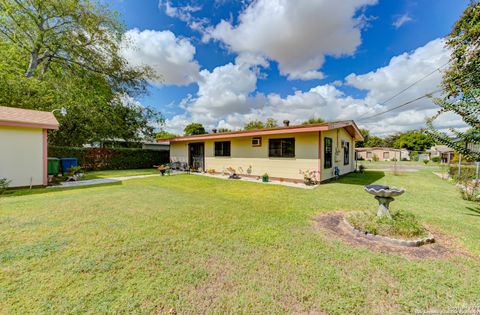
[346, 152]
[256, 142]
[386, 155]
[327, 159]
[281, 147]
[222, 148]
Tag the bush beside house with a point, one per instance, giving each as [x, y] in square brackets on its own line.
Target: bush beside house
[467, 172]
[111, 159]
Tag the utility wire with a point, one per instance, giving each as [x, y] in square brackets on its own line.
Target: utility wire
[401, 105]
[409, 87]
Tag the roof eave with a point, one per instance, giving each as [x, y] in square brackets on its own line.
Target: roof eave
[28, 125]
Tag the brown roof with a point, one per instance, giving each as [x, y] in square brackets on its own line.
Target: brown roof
[11, 116]
[349, 125]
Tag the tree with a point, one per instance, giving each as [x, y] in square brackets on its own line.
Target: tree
[165, 135]
[66, 53]
[194, 129]
[254, 124]
[366, 136]
[313, 120]
[461, 82]
[415, 140]
[271, 123]
[374, 141]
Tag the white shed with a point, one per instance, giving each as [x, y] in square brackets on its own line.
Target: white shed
[23, 145]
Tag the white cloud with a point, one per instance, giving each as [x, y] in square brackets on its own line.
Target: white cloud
[401, 20]
[172, 58]
[227, 96]
[185, 14]
[296, 34]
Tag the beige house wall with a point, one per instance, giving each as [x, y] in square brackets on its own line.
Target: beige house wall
[244, 155]
[337, 136]
[21, 155]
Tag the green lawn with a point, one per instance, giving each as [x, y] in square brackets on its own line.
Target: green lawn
[119, 173]
[191, 244]
[402, 163]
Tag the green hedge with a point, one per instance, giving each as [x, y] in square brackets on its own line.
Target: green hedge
[466, 171]
[111, 159]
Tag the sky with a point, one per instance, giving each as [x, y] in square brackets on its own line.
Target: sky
[223, 63]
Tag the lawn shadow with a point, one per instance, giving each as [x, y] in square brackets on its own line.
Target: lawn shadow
[365, 178]
[476, 211]
[42, 190]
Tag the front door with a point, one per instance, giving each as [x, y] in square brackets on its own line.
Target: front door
[196, 156]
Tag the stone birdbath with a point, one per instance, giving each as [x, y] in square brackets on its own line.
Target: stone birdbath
[384, 195]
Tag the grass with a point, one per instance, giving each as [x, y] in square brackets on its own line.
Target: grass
[119, 173]
[386, 164]
[403, 225]
[194, 244]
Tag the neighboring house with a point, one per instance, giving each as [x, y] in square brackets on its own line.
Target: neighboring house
[383, 154]
[23, 145]
[281, 152]
[444, 152]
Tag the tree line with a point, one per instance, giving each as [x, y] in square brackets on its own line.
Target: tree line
[67, 53]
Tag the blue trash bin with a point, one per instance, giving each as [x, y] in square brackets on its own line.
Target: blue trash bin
[67, 163]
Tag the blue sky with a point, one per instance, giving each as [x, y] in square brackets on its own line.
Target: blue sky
[285, 78]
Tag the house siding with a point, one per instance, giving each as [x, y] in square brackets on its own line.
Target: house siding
[337, 136]
[379, 153]
[21, 157]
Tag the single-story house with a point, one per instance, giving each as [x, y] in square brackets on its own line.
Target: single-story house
[23, 145]
[444, 152]
[281, 152]
[383, 154]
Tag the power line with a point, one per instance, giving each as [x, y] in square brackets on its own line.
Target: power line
[401, 105]
[409, 87]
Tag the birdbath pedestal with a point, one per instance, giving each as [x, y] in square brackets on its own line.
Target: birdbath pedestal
[384, 195]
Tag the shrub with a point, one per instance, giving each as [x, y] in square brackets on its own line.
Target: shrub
[4, 183]
[375, 158]
[471, 192]
[425, 161]
[436, 159]
[309, 177]
[467, 172]
[402, 225]
[111, 159]
[361, 168]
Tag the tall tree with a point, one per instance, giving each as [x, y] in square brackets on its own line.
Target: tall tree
[415, 140]
[66, 53]
[366, 136]
[461, 83]
[194, 129]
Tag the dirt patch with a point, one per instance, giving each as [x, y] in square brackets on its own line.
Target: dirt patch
[444, 246]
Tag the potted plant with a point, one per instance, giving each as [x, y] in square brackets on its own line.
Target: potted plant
[162, 169]
[265, 178]
[75, 173]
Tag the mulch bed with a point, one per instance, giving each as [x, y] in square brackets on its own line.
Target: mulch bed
[444, 246]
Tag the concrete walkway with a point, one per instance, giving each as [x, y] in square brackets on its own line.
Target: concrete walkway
[97, 181]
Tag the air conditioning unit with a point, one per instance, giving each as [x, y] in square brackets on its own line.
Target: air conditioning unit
[256, 142]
